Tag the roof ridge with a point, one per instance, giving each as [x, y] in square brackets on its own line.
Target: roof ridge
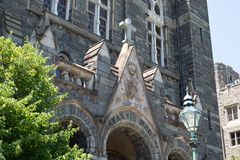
[149, 69]
[103, 40]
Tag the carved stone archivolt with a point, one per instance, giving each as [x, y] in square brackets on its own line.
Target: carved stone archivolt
[131, 81]
[131, 89]
[71, 111]
[132, 121]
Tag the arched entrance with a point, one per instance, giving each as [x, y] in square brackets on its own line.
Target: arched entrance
[70, 110]
[78, 138]
[128, 136]
[175, 156]
[126, 144]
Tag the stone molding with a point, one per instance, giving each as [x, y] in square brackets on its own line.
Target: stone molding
[134, 121]
[72, 110]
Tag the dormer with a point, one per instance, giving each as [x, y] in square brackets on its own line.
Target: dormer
[97, 58]
[13, 26]
[42, 33]
[153, 79]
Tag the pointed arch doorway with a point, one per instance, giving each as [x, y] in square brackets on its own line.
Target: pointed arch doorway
[126, 144]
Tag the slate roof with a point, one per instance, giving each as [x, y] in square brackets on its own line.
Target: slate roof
[148, 77]
[93, 50]
[90, 57]
[13, 24]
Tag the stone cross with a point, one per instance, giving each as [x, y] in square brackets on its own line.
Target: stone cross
[128, 28]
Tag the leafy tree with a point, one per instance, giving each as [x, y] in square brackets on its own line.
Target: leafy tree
[27, 95]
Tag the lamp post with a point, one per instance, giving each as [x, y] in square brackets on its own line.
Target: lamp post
[190, 117]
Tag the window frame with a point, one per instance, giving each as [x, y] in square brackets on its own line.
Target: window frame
[54, 8]
[98, 18]
[232, 113]
[156, 20]
[236, 138]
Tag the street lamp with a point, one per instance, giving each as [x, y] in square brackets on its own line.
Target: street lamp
[190, 117]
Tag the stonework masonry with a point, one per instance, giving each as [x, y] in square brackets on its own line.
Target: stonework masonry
[228, 91]
[126, 104]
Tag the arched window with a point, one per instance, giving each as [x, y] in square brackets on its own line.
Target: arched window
[62, 5]
[60, 8]
[78, 138]
[157, 9]
[98, 17]
[64, 56]
[155, 37]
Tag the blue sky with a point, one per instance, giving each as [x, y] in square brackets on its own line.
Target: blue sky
[224, 18]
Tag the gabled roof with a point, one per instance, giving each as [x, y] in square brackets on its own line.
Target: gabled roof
[43, 33]
[42, 26]
[13, 23]
[150, 75]
[97, 57]
[130, 92]
[122, 59]
[93, 50]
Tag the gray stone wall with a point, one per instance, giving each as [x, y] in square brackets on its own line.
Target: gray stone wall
[194, 55]
[197, 63]
[229, 97]
[225, 75]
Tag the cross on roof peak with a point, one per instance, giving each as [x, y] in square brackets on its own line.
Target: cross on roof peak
[128, 29]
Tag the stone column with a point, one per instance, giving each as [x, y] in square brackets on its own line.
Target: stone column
[162, 48]
[166, 44]
[78, 80]
[65, 75]
[154, 43]
[67, 10]
[97, 17]
[54, 7]
[90, 83]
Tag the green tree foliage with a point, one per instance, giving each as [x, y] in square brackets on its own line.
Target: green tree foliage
[27, 95]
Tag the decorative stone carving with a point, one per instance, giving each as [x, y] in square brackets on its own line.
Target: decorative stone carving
[131, 88]
[65, 76]
[131, 81]
[76, 74]
[132, 69]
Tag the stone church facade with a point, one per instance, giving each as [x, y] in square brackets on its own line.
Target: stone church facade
[228, 90]
[125, 66]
